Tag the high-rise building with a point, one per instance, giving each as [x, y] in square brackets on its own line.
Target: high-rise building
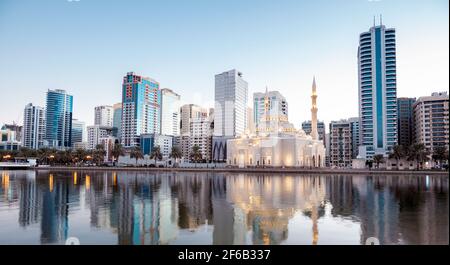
[377, 81]
[17, 129]
[431, 118]
[104, 116]
[96, 133]
[8, 139]
[117, 119]
[141, 101]
[188, 112]
[250, 123]
[277, 104]
[341, 150]
[58, 129]
[306, 127]
[231, 93]
[355, 135]
[149, 141]
[33, 127]
[170, 112]
[405, 121]
[78, 132]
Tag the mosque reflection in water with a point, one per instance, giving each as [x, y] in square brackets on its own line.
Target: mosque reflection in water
[206, 208]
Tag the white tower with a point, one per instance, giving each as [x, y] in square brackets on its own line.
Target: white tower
[314, 133]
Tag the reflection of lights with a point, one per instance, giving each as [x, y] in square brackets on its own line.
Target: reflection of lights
[74, 178]
[115, 179]
[427, 181]
[50, 182]
[88, 182]
[5, 181]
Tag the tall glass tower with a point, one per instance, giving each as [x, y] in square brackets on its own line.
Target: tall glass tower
[377, 78]
[58, 129]
[141, 102]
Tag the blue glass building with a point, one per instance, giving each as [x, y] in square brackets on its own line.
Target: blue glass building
[58, 129]
[141, 102]
[377, 78]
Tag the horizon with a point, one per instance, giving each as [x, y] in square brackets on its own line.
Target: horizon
[80, 47]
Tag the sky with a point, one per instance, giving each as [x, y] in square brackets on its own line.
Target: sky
[87, 46]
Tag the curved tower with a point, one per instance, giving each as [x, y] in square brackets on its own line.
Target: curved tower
[314, 133]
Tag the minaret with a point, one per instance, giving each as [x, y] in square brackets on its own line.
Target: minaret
[314, 133]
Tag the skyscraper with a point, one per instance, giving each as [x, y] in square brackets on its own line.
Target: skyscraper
[277, 104]
[33, 126]
[405, 121]
[104, 116]
[189, 112]
[58, 129]
[231, 93]
[341, 150]
[141, 101]
[170, 112]
[230, 111]
[377, 91]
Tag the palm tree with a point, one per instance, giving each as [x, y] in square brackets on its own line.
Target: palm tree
[25, 152]
[156, 154]
[136, 153]
[196, 154]
[117, 151]
[175, 153]
[79, 155]
[439, 154]
[99, 154]
[418, 153]
[378, 159]
[397, 153]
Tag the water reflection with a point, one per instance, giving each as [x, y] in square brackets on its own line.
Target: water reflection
[200, 208]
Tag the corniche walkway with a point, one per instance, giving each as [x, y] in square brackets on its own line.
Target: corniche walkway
[256, 170]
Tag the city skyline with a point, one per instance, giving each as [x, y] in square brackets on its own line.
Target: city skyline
[95, 83]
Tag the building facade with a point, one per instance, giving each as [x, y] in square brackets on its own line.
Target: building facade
[306, 127]
[58, 129]
[405, 121]
[170, 112]
[141, 102]
[96, 133]
[377, 82]
[201, 136]
[341, 144]
[8, 139]
[230, 95]
[431, 118]
[78, 132]
[149, 141]
[33, 127]
[355, 136]
[104, 116]
[117, 120]
[188, 112]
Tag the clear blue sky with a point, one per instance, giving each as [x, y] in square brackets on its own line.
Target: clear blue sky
[86, 46]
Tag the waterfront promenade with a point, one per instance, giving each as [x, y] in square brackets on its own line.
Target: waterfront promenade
[256, 170]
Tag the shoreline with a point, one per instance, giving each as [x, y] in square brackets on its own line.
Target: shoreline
[253, 170]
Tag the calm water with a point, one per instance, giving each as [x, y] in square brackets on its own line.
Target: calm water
[206, 208]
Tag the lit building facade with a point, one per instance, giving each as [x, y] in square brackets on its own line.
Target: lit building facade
[59, 107]
[141, 102]
[377, 82]
[405, 121]
[431, 118]
[277, 143]
[170, 112]
[33, 127]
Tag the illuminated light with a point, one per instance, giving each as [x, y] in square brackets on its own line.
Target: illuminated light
[50, 182]
[74, 178]
[88, 182]
[52, 156]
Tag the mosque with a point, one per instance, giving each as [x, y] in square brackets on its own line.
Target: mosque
[277, 143]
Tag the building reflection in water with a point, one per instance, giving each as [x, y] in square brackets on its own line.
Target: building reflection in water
[149, 208]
